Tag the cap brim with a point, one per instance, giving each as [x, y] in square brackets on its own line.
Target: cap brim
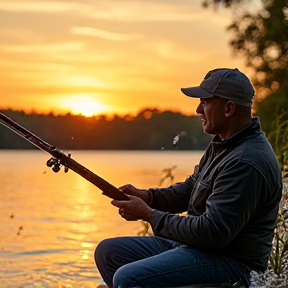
[196, 92]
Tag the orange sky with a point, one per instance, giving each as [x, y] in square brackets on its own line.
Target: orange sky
[108, 56]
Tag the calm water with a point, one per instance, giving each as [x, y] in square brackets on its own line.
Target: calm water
[50, 223]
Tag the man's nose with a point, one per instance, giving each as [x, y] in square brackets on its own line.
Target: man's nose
[199, 109]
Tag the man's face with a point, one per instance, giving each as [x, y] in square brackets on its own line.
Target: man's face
[212, 112]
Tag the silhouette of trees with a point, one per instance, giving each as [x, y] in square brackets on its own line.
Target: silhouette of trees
[149, 130]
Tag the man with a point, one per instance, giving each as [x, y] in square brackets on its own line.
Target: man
[232, 202]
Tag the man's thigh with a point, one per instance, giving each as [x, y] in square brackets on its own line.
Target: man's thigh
[113, 253]
[123, 250]
[180, 266]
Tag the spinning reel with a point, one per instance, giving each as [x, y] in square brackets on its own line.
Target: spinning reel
[56, 164]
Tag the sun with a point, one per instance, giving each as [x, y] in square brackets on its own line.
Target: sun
[84, 105]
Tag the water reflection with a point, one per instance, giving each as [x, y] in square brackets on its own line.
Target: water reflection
[63, 216]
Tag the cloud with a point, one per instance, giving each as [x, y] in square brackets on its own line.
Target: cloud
[37, 6]
[125, 11]
[141, 11]
[30, 66]
[44, 48]
[88, 31]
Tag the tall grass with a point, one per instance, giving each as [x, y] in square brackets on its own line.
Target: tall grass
[279, 140]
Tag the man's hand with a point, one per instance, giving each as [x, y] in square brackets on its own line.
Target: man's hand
[143, 194]
[133, 209]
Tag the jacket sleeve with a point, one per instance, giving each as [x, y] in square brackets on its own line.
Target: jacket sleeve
[174, 199]
[233, 201]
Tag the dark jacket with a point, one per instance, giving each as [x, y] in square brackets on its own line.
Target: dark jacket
[232, 200]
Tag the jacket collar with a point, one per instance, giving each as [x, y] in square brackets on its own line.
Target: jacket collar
[252, 130]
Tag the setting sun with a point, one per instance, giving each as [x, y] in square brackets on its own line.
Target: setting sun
[83, 105]
[108, 57]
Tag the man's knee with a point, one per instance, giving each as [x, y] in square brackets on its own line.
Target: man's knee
[124, 277]
[102, 251]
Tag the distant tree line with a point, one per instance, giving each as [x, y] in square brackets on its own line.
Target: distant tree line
[149, 130]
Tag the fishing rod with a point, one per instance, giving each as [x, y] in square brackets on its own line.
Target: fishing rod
[59, 159]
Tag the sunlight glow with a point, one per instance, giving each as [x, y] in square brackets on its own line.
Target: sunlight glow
[88, 31]
[84, 105]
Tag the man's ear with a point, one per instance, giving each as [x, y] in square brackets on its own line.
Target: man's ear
[230, 108]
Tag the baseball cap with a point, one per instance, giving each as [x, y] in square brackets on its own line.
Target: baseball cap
[230, 84]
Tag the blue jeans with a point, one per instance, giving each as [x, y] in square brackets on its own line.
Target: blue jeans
[141, 261]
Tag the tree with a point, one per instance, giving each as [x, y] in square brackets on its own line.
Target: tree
[226, 3]
[261, 37]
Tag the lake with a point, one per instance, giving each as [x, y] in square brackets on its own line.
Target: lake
[50, 223]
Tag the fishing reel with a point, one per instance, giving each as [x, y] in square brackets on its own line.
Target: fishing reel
[56, 164]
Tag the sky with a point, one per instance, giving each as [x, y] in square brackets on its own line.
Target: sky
[109, 56]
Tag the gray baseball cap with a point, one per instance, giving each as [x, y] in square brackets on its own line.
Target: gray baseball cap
[230, 84]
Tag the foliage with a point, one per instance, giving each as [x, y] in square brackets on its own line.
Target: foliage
[279, 252]
[145, 230]
[260, 36]
[279, 140]
[226, 3]
[276, 276]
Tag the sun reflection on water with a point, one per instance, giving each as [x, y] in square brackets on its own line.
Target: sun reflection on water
[63, 217]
